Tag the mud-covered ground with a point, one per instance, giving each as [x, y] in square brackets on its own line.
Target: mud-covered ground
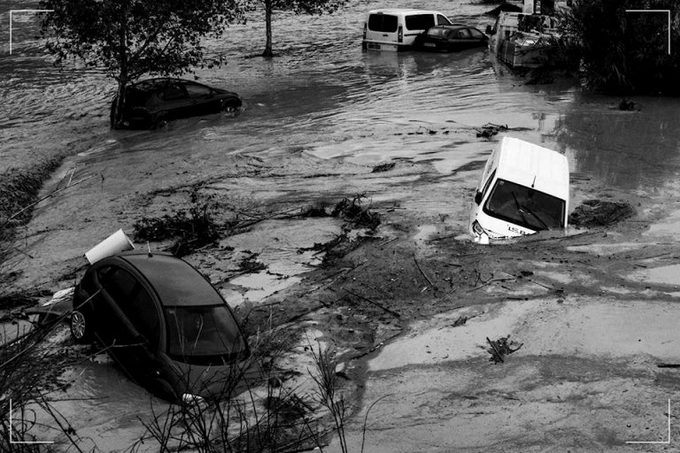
[408, 307]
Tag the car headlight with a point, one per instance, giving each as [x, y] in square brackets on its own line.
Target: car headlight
[188, 398]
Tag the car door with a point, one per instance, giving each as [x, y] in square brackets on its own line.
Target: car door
[202, 98]
[174, 101]
[118, 329]
[460, 39]
[477, 38]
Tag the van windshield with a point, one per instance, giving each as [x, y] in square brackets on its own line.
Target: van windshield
[525, 206]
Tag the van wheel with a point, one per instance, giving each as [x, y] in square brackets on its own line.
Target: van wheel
[81, 327]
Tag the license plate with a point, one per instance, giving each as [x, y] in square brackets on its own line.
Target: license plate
[374, 46]
[429, 44]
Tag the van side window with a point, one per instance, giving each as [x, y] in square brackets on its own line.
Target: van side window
[419, 21]
[383, 23]
[442, 20]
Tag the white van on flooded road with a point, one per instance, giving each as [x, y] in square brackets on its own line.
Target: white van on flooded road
[524, 189]
[397, 29]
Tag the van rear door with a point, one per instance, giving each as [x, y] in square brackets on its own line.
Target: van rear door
[381, 28]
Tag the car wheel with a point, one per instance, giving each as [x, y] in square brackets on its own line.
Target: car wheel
[162, 389]
[81, 329]
[230, 106]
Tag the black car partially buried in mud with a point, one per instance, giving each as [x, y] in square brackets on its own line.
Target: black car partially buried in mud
[164, 324]
[450, 38]
[149, 103]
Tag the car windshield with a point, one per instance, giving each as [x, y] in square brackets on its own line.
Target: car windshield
[525, 206]
[203, 334]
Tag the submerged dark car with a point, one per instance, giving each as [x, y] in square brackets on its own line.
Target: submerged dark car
[450, 38]
[153, 101]
[163, 323]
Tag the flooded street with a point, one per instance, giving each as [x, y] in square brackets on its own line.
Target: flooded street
[317, 119]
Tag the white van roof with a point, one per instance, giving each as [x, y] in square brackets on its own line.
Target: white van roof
[534, 166]
[402, 11]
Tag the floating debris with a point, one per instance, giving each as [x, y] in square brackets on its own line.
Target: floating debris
[593, 213]
[500, 348]
[460, 321]
[489, 130]
[387, 166]
[628, 106]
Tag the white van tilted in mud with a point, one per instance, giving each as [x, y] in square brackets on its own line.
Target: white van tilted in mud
[396, 29]
[524, 189]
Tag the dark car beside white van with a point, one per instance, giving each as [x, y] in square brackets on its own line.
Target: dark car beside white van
[397, 29]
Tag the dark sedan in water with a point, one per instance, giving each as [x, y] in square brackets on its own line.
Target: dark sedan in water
[164, 324]
[154, 101]
[450, 38]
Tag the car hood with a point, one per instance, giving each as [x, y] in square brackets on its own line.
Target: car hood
[214, 382]
[222, 91]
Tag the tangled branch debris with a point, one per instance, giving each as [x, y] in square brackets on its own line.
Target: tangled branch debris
[489, 130]
[353, 212]
[500, 348]
[593, 213]
[190, 230]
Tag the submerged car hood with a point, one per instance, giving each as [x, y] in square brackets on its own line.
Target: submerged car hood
[215, 382]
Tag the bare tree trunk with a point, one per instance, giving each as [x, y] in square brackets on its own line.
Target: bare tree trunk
[268, 7]
[119, 101]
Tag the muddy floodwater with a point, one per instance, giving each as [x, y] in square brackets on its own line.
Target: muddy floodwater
[317, 119]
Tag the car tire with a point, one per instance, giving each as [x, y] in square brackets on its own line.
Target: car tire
[162, 389]
[81, 327]
[230, 106]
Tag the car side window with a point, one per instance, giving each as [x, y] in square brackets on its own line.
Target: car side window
[463, 33]
[120, 284]
[476, 33]
[144, 316]
[136, 303]
[198, 91]
[442, 20]
[172, 93]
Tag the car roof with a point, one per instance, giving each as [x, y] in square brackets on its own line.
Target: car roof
[176, 282]
[452, 26]
[147, 84]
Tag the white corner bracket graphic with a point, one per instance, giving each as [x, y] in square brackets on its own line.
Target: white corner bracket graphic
[16, 442]
[664, 442]
[11, 14]
[666, 11]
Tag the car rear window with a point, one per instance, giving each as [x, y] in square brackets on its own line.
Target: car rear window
[437, 31]
[382, 22]
[419, 21]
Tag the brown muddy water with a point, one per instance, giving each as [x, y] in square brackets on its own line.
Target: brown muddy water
[325, 99]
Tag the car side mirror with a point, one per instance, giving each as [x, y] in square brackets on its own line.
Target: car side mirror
[478, 197]
[489, 30]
